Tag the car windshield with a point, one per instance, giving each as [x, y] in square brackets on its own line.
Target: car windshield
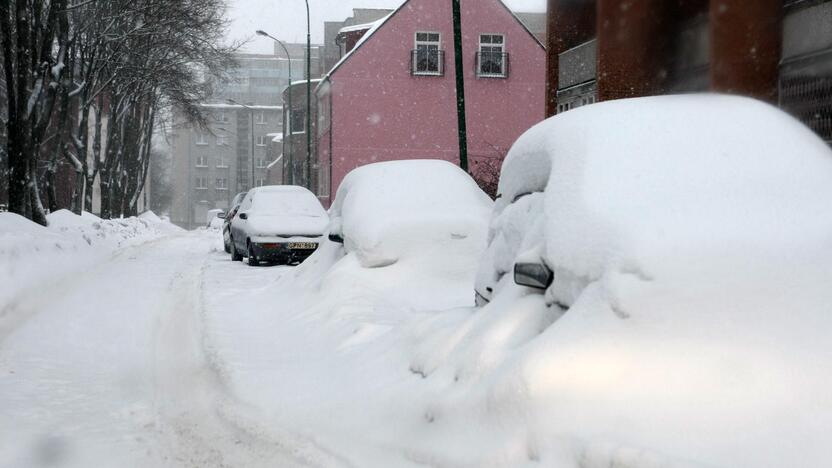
[287, 204]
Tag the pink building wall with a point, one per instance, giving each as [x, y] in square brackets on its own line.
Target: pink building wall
[373, 110]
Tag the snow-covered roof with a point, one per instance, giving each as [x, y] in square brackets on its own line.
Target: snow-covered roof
[300, 82]
[238, 106]
[274, 163]
[356, 27]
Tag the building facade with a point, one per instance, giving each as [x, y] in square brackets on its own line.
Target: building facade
[777, 51]
[393, 96]
[211, 165]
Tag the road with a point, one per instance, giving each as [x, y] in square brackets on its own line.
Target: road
[112, 367]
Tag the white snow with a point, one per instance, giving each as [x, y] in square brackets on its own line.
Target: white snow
[693, 232]
[32, 255]
[387, 211]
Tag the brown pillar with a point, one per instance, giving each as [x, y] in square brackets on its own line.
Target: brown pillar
[746, 46]
[632, 46]
[568, 24]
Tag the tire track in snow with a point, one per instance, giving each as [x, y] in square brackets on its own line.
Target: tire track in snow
[214, 429]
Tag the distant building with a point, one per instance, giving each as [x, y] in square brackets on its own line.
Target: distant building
[777, 51]
[393, 96]
[334, 45]
[295, 156]
[212, 165]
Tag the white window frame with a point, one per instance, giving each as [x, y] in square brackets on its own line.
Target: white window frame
[415, 58]
[504, 69]
[261, 118]
[222, 162]
[261, 140]
[201, 139]
[221, 117]
[261, 163]
[202, 161]
[222, 140]
[222, 183]
[259, 182]
[201, 183]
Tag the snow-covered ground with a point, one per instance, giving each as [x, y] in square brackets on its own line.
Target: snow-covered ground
[698, 345]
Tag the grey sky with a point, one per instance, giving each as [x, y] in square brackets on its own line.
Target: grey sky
[286, 19]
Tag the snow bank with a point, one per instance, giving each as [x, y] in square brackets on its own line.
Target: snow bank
[31, 255]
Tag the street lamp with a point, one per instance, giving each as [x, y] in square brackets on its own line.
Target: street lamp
[251, 143]
[287, 126]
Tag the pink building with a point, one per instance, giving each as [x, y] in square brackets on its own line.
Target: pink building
[393, 95]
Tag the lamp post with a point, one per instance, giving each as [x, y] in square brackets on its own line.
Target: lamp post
[251, 143]
[308, 100]
[287, 126]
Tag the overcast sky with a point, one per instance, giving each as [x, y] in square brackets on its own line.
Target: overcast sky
[286, 19]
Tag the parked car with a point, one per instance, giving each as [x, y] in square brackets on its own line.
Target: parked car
[226, 225]
[214, 219]
[282, 224]
[628, 186]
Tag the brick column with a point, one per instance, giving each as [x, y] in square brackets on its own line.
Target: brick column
[568, 23]
[632, 42]
[746, 42]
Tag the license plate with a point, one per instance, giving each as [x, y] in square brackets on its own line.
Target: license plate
[303, 245]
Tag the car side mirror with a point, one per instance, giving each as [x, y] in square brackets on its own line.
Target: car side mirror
[533, 275]
[243, 216]
[336, 238]
[221, 215]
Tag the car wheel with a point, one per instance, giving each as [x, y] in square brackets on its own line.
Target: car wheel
[227, 247]
[252, 258]
[235, 256]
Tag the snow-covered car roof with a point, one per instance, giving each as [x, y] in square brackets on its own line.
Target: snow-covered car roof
[629, 182]
[387, 209]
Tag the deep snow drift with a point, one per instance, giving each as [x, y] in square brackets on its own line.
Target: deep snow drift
[32, 256]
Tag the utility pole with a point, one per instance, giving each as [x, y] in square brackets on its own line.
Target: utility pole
[308, 100]
[460, 88]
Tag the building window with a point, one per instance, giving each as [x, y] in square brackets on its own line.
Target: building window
[222, 183]
[261, 118]
[492, 61]
[427, 58]
[261, 163]
[222, 140]
[261, 140]
[201, 183]
[259, 182]
[222, 163]
[297, 123]
[201, 139]
[201, 161]
[221, 117]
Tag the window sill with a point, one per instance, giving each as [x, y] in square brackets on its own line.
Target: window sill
[222, 167]
[201, 167]
[427, 74]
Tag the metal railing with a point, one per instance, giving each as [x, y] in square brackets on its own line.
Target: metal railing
[425, 62]
[492, 65]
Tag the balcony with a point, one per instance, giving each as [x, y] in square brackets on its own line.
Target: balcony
[492, 64]
[427, 62]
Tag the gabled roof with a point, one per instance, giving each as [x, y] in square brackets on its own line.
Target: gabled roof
[380, 23]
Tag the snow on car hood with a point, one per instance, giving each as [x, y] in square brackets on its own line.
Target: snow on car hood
[286, 225]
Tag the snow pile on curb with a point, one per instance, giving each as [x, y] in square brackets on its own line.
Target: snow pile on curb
[32, 255]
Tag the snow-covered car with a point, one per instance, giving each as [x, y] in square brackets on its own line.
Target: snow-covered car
[621, 185]
[282, 224]
[412, 229]
[215, 218]
[226, 225]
